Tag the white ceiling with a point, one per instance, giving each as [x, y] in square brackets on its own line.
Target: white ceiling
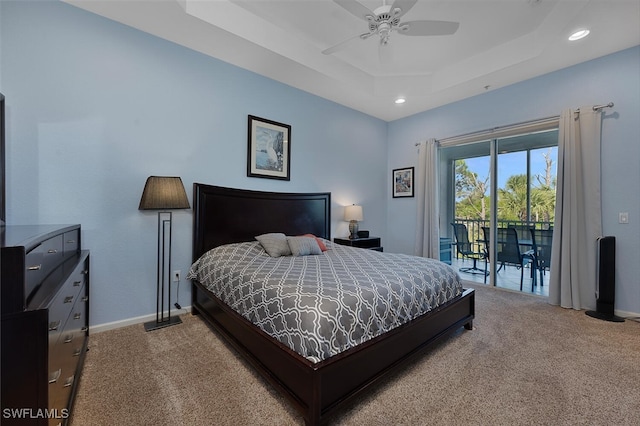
[498, 43]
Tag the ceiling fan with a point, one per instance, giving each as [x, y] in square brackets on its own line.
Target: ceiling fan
[386, 19]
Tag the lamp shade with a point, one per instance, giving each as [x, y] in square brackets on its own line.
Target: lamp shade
[163, 192]
[353, 213]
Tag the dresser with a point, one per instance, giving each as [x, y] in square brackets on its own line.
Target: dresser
[45, 322]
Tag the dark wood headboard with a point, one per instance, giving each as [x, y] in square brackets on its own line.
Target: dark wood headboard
[227, 215]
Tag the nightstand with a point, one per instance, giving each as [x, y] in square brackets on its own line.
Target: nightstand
[372, 243]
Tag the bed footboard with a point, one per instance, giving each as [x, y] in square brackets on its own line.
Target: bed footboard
[316, 390]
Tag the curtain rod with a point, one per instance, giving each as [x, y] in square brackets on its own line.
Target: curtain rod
[595, 108]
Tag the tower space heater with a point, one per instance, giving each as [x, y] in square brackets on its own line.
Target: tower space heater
[606, 280]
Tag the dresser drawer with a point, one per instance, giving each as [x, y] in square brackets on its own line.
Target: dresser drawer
[78, 321]
[66, 362]
[66, 351]
[65, 357]
[71, 243]
[59, 392]
[59, 314]
[61, 307]
[75, 332]
[41, 261]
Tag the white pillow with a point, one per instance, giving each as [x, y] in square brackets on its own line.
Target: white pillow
[303, 246]
[275, 244]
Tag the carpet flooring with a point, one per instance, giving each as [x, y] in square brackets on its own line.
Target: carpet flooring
[524, 363]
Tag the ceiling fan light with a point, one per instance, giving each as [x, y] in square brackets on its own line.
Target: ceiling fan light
[577, 35]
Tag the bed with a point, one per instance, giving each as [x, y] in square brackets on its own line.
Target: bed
[228, 220]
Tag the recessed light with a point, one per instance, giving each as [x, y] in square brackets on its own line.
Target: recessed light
[578, 35]
[400, 100]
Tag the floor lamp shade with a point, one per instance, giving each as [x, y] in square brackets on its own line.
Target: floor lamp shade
[163, 193]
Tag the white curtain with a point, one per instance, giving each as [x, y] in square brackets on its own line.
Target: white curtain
[578, 216]
[427, 242]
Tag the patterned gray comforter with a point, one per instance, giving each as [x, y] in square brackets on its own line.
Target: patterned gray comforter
[321, 305]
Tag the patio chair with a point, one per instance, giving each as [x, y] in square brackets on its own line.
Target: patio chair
[508, 252]
[486, 232]
[465, 248]
[541, 239]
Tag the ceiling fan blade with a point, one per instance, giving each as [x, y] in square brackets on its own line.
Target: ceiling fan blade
[355, 8]
[342, 44]
[428, 28]
[403, 5]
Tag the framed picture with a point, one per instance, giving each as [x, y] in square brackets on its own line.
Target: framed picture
[269, 149]
[403, 182]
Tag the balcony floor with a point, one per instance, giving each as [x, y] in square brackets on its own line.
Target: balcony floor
[508, 277]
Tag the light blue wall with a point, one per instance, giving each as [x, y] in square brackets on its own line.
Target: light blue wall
[613, 78]
[94, 107]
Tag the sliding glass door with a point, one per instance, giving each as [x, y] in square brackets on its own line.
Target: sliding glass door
[496, 191]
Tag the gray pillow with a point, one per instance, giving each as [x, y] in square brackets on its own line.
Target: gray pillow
[275, 244]
[303, 246]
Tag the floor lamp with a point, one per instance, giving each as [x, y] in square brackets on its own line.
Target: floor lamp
[163, 193]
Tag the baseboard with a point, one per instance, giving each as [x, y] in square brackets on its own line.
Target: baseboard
[632, 316]
[187, 309]
[132, 321]
[627, 315]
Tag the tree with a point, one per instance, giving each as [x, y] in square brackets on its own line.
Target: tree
[549, 179]
[543, 196]
[471, 199]
[512, 201]
[543, 202]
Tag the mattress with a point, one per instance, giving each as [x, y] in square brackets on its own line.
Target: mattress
[321, 305]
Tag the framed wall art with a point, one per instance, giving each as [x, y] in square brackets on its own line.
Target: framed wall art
[269, 149]
[403, 182]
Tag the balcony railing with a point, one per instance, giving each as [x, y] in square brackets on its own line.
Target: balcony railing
[474, 227]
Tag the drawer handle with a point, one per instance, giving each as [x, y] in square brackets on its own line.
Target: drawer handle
[68, 382]
[71, 241]
[53, 377]
[52, 251]
[77, 315]
[77, 352]
[84, 329]
[68, 339]
[86, 272]
[54, 325]
[85, 298]
[77, 283]
[68, 299]
[34, 268]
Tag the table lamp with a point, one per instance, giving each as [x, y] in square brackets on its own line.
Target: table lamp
[353, 214]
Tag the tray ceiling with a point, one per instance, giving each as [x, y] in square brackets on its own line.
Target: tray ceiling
[498, 43]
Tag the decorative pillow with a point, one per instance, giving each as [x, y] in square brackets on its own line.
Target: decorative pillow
[323, 247]
[275, 244]
[303, 246]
